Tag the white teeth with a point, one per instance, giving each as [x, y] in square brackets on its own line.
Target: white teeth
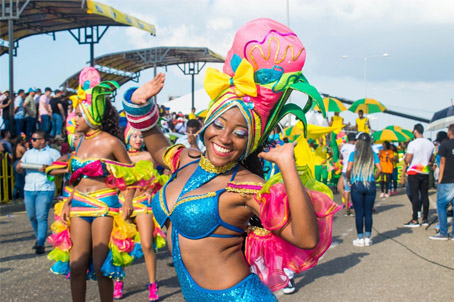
[220, 149]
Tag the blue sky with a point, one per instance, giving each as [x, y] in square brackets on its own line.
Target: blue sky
[416, 78]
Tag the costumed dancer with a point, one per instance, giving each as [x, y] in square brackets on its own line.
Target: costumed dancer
[150, 236]
[210, 197]
[90, 234]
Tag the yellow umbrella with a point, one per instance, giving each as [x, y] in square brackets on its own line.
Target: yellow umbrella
[332, 105]
[202, 113]
[367, 106]
[389, 135]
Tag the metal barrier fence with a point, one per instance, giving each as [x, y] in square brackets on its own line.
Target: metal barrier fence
[7, 180]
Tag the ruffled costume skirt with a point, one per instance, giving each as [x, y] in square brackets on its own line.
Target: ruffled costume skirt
[143, 206]
[89, 206]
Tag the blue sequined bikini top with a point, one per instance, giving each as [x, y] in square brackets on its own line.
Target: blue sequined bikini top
[196, 216]
[88, 167]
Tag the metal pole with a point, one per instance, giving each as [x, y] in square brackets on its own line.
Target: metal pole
[288, 14]
[155, 69]
[11, 68]
[365, 77]
[92, 54]
[192, 89]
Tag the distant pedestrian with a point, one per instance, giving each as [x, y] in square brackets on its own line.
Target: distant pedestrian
[419, 158]
[5, 102]
[386, 157]
[30, 113]
[362, 123]
[44, 110]
[19, 178]
[192, 138]
[445, 189]
[58, 113]
[361, 177]
[19, 112]
[346, 150]
[39, 191]
[393, 182]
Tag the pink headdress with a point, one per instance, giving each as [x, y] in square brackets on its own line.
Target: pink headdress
[261, 70]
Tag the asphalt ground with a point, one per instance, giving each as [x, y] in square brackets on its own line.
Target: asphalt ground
[402, 264]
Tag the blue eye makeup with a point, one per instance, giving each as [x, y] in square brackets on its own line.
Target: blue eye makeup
[240, 133]
[218, 124]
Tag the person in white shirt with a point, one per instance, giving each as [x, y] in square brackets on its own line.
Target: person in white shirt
[192, 139]
[346, 149]
[419, 158]
[39, 191]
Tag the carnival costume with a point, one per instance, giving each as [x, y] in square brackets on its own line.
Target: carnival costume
[262, 68]
[105, 202]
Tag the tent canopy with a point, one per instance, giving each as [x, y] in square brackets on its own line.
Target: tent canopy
[47, 17]
[127, 65]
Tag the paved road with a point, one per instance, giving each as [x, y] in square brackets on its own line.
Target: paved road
[401, 265]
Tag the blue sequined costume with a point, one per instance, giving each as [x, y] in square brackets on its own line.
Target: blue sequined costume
[196, 220]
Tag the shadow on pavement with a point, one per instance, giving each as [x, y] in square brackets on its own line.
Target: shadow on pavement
[383, 208]
[19, 257]
[332, 267]
[25, 238]
[380, 237]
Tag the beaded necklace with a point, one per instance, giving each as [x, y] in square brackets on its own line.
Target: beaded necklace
[206, 165]
[93, 134]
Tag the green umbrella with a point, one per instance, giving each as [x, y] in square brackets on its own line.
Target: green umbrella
[389, 135]
[402, 130]
[332, 105]
[367, 106]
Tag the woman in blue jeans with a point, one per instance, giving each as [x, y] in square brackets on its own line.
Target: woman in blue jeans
[361, 177]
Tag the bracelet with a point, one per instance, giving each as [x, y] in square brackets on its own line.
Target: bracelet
[140, 117]
[144, 122]
[134, 109]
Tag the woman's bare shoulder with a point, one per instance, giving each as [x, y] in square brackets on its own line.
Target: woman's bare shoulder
[188, 155]
[244, 175]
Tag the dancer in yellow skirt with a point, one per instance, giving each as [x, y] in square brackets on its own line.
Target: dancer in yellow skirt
[150, 236]
[90, 233]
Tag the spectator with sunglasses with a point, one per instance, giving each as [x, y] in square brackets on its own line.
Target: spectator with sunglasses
[39, 191]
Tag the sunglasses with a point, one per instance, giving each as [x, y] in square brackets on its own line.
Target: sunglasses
[34, 139]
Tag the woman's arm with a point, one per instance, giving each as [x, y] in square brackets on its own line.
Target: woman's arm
[302, 229]
[155, 140]
[121, 155]
[378, 171]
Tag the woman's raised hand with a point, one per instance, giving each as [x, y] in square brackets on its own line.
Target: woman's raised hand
[148, 90]
[280, 155]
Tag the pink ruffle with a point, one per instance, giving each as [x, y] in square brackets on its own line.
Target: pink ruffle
[93, 169]
[61, 240]
[268, 254]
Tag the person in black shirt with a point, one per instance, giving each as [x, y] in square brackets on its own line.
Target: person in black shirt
[445, 189]
[58, 114]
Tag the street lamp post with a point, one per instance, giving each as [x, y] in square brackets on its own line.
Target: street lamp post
[365, 68]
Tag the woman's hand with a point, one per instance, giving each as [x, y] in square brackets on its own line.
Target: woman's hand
[281, 155]
[127, 209]
[148, 90]
[149, 197]
[65, 212]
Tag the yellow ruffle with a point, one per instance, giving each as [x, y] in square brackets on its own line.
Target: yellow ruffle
[142, 170]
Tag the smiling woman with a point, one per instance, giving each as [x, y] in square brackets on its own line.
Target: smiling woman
[210, 197]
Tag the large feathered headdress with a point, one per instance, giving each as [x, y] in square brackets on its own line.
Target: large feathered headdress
[261, 70]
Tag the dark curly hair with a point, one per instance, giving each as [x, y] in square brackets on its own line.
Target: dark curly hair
[110, 121]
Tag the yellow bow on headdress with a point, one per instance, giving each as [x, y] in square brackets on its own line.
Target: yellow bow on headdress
[217, 82]
[79, 97]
